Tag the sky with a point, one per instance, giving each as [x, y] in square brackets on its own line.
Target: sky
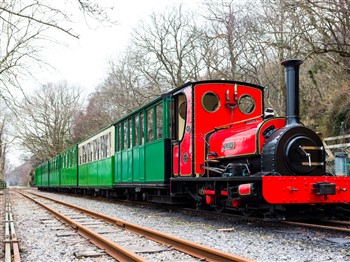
[84, 61]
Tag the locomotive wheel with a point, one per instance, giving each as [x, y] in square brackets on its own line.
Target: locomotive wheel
[247, 213]
[220, 207]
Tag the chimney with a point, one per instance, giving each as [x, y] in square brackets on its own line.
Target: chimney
[292, 92]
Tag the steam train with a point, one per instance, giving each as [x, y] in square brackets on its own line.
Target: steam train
[206, 144]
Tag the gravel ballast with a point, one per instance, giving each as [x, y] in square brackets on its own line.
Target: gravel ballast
[38, 242]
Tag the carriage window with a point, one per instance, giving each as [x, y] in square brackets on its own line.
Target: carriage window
[130, 133]
[150, 127]
[246, 104]
[142, 134]
[98, 148]
[136, 130]
[210, 102]
[159, 119]
[125, 135]
[94, 150]
[171, 123]
[102, 147]
[84, 154]
[110, 142]
[73, 158]
[118, 138]
[107, 145]
[89, 152]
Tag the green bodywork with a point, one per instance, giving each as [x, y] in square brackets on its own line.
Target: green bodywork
[69, 171]
[38, 176]
[54, 171]
[97, 174]
[45, 174]
[141, 164]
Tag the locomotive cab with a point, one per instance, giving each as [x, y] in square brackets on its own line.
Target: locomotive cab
[214, 128]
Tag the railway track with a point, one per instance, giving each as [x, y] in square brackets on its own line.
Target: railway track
[161, 242]
[335, 225]
[332, 225]
[10, 239]
[341, 226]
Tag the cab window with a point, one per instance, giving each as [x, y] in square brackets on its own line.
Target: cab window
[181, 109]
[210, 102]
[246, 104]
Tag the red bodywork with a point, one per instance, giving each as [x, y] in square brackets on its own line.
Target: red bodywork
[238, 140]
[242, 139]
[228, 133]
[300, 189]
[224, 118]
[191, 148]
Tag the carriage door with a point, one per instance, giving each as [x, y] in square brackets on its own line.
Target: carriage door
[182, 133]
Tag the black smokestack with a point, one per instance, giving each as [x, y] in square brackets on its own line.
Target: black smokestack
[292, 92]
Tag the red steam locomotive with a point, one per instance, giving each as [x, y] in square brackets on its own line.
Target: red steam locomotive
[233, 155]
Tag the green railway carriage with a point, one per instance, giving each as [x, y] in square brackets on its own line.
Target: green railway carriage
[55, 171]
[38, 175]
[69, 168]
[96, 160]
[45, 174]
[143, 147]
[136, 150]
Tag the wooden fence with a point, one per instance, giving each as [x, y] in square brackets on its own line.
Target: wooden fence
[336, 144]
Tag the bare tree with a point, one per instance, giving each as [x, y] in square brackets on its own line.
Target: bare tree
[226, 32]
[123, 90]
[277, 38]
[6, 116]
[326, 26]
[46, 119]
[26, 26]
[166, 48]
[3, 148]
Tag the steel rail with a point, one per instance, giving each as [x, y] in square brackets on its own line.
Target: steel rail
[339, 222]
[10, 240]
[113, 249]
[341, 229]
[191, 248]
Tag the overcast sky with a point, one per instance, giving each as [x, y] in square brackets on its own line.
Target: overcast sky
[84, 61]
